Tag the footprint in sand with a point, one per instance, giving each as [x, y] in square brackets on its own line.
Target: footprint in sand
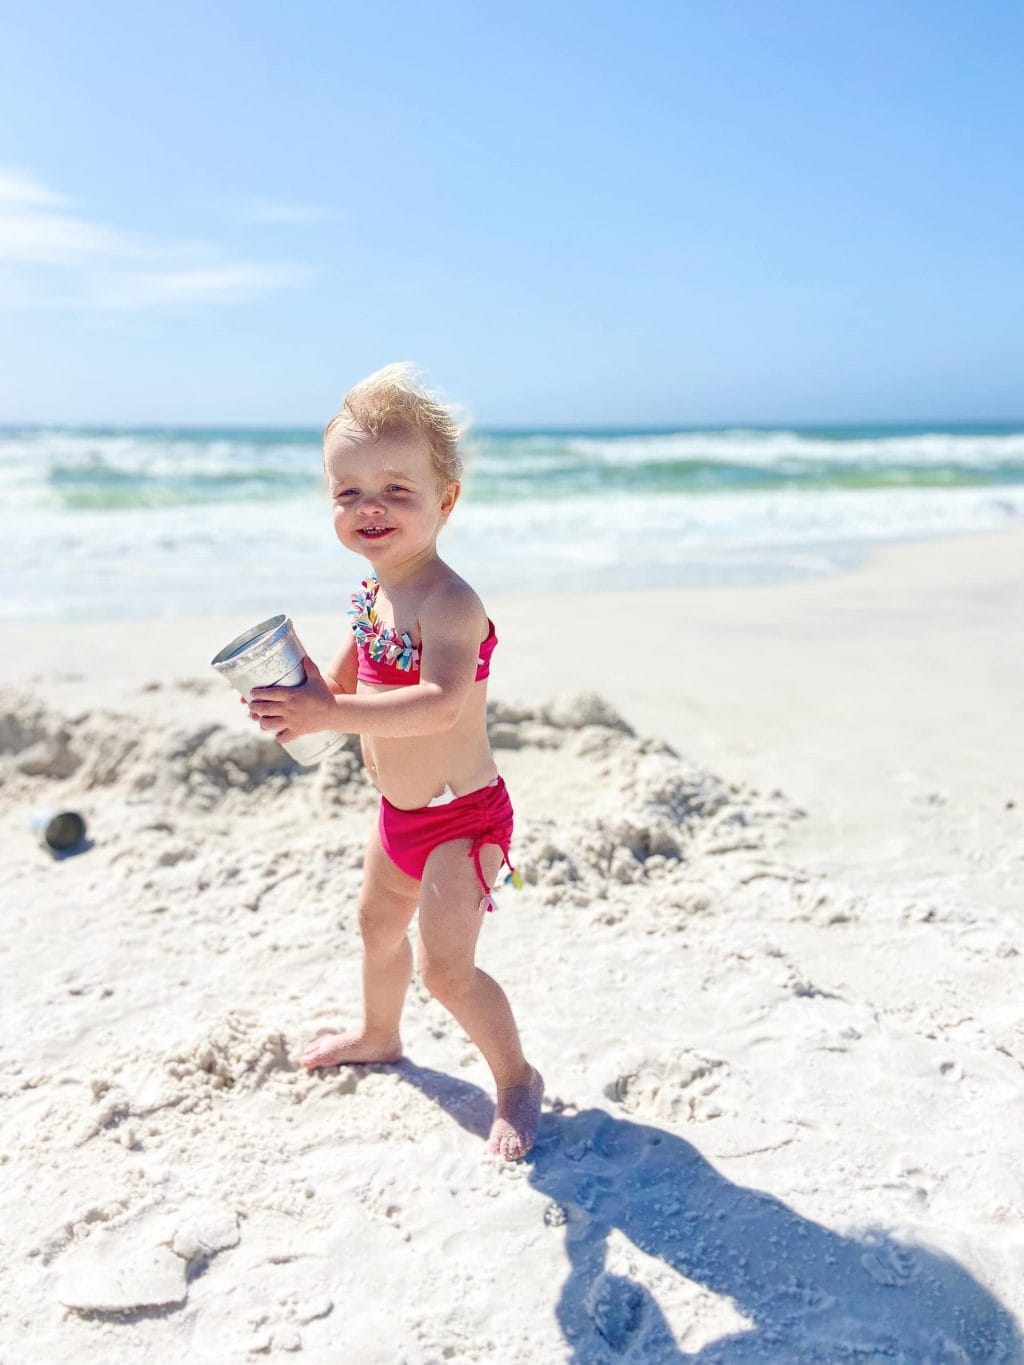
[891, 1266]
[615, 1306]
[681, 1086]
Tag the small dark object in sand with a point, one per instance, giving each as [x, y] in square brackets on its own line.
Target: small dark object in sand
[58, 830]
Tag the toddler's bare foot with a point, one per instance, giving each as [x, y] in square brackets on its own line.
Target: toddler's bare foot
[516, 1118]
[330, 1048]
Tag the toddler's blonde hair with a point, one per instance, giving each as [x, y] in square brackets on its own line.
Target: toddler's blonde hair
[393, 399]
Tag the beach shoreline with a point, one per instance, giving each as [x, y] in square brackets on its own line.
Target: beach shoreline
[244, 515]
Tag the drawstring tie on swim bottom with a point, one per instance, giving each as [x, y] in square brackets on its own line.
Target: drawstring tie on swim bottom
[480, 841]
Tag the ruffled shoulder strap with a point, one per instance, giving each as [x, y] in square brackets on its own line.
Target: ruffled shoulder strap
[383, 644]
[363, 611]
[364, 597]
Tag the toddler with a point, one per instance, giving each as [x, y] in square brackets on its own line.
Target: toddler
[411, 681]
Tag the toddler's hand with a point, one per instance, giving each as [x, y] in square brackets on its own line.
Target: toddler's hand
[291, 712]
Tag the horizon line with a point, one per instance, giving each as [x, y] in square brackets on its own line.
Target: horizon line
[545, 429]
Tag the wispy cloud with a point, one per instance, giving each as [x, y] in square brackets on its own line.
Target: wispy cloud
[127, 290]
[18, 188]
[54, 256]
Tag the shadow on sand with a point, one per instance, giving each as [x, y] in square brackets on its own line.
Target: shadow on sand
[812, 1295]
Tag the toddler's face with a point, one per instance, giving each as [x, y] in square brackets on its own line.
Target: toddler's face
[385, 494]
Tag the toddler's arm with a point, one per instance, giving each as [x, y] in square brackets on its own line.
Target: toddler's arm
[340, 677]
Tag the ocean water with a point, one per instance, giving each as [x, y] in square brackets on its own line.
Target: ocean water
[129, 524]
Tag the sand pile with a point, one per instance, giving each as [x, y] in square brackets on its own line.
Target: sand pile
[765, 1130]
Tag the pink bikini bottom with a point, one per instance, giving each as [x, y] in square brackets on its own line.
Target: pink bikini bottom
[484, 817]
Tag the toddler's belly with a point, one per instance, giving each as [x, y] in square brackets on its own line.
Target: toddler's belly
[411, 772]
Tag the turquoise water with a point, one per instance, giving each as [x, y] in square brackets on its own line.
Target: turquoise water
[224, 519]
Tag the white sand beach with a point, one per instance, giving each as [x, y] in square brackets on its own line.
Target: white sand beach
[768, 958]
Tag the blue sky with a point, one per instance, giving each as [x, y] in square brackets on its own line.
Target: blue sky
[575, 213]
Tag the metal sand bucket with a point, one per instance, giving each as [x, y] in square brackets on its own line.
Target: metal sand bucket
[270, 655]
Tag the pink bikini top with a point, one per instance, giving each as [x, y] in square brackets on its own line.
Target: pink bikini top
[387, 657]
